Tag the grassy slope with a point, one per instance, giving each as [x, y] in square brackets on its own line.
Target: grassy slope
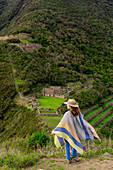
[19, 121]
[19, 156]
[7, 86]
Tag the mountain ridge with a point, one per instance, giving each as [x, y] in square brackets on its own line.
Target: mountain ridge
[76, 44]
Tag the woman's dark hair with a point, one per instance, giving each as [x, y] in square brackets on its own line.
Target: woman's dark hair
[74, 111]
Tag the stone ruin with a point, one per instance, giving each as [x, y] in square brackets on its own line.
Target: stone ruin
[55, 91]
[33, 96]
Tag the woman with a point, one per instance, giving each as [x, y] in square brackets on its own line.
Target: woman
[71, 128]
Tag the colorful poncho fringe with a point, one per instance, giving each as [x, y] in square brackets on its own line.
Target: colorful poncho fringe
[72, 129]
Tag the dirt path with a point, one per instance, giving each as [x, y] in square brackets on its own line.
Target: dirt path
[85, 164]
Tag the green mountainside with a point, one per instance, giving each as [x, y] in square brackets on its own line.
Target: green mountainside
[72, 42]
[76, 39]
[8, 10]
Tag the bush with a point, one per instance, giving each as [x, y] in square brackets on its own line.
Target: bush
[107, 131]
[14, 40]
[42, 49]
[34, 41]
[18, 161]
[38, 138]
[101, 103]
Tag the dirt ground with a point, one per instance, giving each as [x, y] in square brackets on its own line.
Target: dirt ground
[85, 164]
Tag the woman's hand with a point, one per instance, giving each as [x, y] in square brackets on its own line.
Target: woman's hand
[52, 134]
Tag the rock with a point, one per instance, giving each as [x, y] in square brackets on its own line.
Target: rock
[51, 109]
[106, 154]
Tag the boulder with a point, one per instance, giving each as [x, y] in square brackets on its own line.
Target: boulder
[47, 108]
[106, 154]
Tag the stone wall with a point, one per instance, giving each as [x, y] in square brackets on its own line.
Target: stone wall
[47, 111]
[91, 108]
[41, 113]
[62, 95]
[103, 126]
[48, 115]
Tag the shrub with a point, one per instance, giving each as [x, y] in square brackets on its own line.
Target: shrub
[38, 138]
[18, 161]
[101, 103]
[14, 40]
[34, 41]
[107, 131]
[42, 49]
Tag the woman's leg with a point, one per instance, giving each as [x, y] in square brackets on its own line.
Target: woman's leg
[74, 152]
[74, 155]
[67, 150]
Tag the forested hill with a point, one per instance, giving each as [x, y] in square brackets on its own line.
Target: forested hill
[75, 35]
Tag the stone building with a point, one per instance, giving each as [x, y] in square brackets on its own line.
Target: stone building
[55, 91]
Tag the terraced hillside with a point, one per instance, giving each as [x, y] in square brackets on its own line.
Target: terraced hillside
[100, 116]
[88, 115]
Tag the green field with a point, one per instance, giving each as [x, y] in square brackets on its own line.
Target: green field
[52, 121]
[50, 102]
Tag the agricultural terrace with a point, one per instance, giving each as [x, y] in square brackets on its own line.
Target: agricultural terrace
[99, 115]
[104, 121]
[52, 121]
[53, 102]
[105, 112]
[50, 102]
[97, 108]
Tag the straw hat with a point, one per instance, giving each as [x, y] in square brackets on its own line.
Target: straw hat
[72, 102]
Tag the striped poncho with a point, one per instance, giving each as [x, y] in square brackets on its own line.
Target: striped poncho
[73, 129]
